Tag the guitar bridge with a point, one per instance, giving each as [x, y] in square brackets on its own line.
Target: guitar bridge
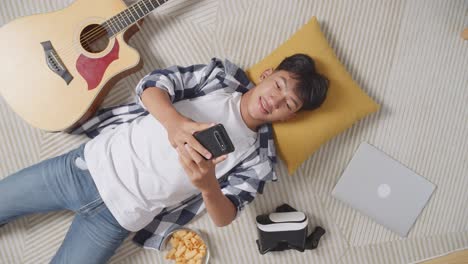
[54, 63]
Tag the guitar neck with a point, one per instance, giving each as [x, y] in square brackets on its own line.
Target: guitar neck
[131, 15]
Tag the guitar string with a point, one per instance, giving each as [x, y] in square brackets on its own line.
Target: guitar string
[100, 30]
[87, 35]
[65, 53]
[93, 33]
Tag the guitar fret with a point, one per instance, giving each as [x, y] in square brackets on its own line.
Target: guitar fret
[141, 7]
[131, 12]
[111, 30]
[129, 21]
[147, 9]
[108, 28]
[131, 15]
[151, 2]
[114, 28]
[140, 13]
[122, 25]
[117, 22]
[144, 8]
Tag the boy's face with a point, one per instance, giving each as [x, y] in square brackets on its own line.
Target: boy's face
[275, 98]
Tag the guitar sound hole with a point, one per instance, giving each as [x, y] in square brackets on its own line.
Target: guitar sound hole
[94, 38]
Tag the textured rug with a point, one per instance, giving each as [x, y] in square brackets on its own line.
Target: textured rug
[407, 55]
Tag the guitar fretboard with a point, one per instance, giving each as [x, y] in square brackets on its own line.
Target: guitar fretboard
[131, 15]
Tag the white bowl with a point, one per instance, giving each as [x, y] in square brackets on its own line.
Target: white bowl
[166, 245]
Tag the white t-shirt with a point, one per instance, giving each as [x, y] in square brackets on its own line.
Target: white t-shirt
[137, 171]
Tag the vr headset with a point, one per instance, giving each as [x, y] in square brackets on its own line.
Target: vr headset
[284, 229]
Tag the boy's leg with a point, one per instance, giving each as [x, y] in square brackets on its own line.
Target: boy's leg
[50, 185]
[27, 191]
[93, 237]
[62, 183]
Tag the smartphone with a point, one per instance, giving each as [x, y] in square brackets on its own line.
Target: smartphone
[216, 140]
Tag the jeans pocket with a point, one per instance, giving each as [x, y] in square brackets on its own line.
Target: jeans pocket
[92, 208]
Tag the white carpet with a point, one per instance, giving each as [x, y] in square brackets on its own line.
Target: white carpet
[407, 55]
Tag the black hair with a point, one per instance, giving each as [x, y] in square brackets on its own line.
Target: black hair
[312, 87]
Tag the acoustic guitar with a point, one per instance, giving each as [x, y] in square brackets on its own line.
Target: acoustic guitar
[58, 67]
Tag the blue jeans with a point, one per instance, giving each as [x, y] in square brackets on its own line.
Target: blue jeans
[63, 183]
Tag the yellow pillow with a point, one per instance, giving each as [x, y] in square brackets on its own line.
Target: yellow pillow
[345, 104]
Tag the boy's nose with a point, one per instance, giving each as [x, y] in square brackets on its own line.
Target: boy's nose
[277, 100]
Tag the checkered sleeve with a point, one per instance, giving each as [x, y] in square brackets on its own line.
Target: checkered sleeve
[246, 180]
[180, 82]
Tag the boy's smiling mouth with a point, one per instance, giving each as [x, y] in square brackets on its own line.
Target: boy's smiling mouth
[263, 105]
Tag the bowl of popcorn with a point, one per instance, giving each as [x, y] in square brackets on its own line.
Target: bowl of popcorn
[186, 246]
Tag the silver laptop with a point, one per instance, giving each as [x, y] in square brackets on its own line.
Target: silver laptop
[383, 189]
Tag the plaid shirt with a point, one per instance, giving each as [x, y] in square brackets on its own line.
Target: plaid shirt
[240, 185]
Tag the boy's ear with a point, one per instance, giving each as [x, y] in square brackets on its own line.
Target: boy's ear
[266, 73]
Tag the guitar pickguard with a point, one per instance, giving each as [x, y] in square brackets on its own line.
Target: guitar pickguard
[93, 69]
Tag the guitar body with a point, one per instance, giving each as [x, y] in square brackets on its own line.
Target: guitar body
[54, 100]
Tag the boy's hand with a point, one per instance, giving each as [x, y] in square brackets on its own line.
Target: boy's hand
[200, 171]
[180, 132]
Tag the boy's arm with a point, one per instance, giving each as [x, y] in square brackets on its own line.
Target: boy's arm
[158, 90]
[179, 128]
[202, 174]
[219, 207]
[157, 102]
[247, 180]
[243, 183]
[178, 82]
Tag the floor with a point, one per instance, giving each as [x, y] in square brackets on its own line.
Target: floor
[407, 55]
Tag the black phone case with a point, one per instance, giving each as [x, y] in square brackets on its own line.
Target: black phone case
[216, 140]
